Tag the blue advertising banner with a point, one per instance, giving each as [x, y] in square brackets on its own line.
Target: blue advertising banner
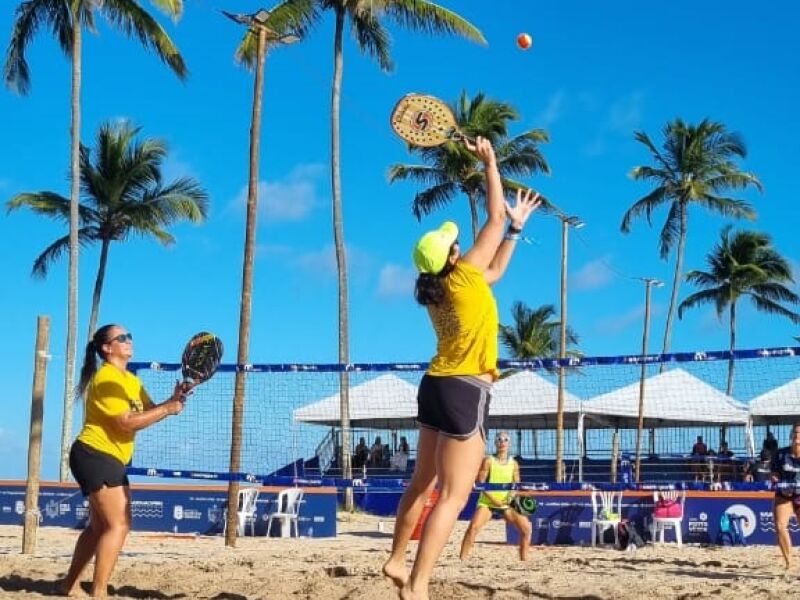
[177, 509]
[566, 517]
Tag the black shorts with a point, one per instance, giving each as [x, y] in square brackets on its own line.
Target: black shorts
[456, 406]
[93, 469]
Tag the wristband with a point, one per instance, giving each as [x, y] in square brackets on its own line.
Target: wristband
[513, 230]
[512, 237]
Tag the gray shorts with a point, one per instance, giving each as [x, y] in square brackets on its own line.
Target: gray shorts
[456, 405]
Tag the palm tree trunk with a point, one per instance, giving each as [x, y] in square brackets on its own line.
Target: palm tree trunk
[98, 287]
[676, 283]
[247, 291]
[341, 257]
[473, 210]
[72, 285]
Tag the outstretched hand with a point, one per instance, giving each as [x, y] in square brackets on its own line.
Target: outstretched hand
[527, 202]
[482, 148]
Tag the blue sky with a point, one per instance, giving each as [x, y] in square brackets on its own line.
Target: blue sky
[596, 72]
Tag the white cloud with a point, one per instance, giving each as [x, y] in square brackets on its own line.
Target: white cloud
[395, 281]
[291, 198]
[323, 261]
[593, 275]
[621, 119]
[618, 323]
[552, 112]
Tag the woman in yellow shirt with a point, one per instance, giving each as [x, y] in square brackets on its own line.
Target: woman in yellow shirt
[500, 468]
[117, 406]
[453, 397]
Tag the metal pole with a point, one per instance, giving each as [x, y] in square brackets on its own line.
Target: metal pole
[562, 354]
[640, 427]
[40, 359]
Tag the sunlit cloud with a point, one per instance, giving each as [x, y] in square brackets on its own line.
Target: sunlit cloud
[291, 198]
[552, 112]
[593, 275]
[396, 281]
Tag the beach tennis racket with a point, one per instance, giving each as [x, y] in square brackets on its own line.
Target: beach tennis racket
[524, 505]
[201, 358]
[425, 121]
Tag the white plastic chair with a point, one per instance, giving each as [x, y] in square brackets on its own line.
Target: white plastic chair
[604, 503]
[658, 525]
[246, 511]
[287, 510]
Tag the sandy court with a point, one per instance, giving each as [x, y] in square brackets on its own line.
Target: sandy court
[167, 568]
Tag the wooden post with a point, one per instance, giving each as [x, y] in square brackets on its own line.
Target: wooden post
[614, 455]
[40, 359]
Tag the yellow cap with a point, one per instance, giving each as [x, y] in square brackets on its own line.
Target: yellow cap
[433, 248]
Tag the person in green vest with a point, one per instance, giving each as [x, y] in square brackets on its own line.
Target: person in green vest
[500, 468]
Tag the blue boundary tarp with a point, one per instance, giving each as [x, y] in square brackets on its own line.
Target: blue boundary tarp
[177, 509]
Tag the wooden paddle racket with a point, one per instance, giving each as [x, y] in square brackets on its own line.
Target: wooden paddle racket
[425, 121]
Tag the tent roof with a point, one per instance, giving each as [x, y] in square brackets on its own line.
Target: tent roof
[526, 400]
[780, 405]
[386, 402]
[674, 398]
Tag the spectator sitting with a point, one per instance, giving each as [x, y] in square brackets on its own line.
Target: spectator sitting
[376, 453]
[699, 448]
[761, 469]
[724, 450]
[726, 468]
[399, 461]
[770, 444]
[361, 454]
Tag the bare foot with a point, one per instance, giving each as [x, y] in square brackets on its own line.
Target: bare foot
[74, 592]
[396, 572]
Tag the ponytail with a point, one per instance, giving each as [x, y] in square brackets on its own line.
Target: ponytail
[93, 350]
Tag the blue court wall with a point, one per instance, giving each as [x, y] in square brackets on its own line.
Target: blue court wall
[565, 517]
[177, 509]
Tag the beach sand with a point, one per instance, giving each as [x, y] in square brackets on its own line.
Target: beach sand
[166, 567]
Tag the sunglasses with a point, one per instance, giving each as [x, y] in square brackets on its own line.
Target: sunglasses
[122, 338]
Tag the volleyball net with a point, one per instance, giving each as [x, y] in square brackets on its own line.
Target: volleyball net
[291, 424]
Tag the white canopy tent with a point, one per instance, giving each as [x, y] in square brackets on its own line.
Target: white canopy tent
[674, 398]
[527, 400]
[779, 406]
[386, 402]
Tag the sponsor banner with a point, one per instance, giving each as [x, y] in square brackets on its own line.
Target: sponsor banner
[177, 509]
[567, 520]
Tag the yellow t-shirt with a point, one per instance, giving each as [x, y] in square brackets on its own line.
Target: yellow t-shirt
[110, 393]
[466, 325]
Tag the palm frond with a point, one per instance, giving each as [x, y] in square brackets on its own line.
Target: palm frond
[644, 206]
[29, 17]
[711, 296]
[435, 197]
[372, 38]
[432, 18]
[134, 21]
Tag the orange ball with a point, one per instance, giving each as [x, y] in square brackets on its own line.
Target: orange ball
[524, 41]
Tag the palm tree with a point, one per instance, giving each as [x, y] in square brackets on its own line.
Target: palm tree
[696, 166]
[451, 168]
[123, 196]
[266, 30]
[534, 333]
[373, 39]
[743, 264]
[65, 18]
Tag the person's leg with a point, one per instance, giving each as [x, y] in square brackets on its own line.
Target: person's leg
[457, 464]
[113, 503]
[523, 525]
[783, 512]
[419, 489]
[84, 551]
[479, 519]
